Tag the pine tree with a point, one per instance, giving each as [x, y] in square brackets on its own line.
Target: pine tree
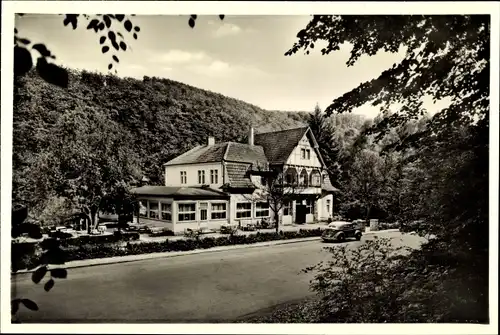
[323, 131]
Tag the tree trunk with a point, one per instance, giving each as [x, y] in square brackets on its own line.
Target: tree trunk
[88, 222]
[94, 219]
[367, 217]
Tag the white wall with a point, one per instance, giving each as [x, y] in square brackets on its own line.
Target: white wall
[180, 226]
[245, 198]
[155, 222]
[296, 156]
[173, 174]
[323, 213]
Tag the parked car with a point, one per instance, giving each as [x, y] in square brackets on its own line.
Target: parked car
[339, 231]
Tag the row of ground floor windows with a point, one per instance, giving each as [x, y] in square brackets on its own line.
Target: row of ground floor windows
[158, 210]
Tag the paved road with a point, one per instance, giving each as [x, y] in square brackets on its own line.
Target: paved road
[210, 287]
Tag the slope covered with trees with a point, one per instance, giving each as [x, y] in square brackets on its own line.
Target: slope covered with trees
[103, 132]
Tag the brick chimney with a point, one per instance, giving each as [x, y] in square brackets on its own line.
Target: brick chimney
[211, 140]
[250, 136]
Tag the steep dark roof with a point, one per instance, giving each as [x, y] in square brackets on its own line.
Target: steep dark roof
[238, 176]
[279, 145]
[240, 152]
[169, 191]
[236, 152]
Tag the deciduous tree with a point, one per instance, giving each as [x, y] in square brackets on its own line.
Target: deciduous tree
[446, 56]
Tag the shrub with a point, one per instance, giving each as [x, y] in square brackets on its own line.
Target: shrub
[60, 234]
[162, 233]
[385, 225]
[100, 239]
[379, 283]
[207, 242]
[359, 285]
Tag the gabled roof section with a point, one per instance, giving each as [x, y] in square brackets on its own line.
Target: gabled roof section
[278, 145]
[230, 151]
[240, 152]
[201, 154]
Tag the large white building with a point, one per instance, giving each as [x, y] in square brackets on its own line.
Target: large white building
[221, 183]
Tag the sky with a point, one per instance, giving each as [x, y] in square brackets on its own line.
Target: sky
[241, 57]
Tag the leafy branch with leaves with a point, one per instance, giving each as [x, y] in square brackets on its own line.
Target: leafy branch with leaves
[106, 26]
[49, 254]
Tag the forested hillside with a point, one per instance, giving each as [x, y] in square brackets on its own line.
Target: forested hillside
[117, 127]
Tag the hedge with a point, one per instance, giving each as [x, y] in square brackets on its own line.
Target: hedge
[100, 239]
[81, 250]
[162, 233]
[384, 226]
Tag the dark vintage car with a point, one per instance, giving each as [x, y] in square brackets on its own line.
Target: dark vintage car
[339, 231]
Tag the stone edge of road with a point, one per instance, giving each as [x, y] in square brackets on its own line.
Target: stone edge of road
[142, 257]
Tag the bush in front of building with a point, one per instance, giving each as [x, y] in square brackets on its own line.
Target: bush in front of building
[100, 239]
[162, 233]
[104, 246]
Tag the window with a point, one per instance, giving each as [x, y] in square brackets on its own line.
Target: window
[218, 211]
[315, 179]
[261, 209]
[143, 209]
[287, 208]
[153, 210]
[303, 153]
[166, 212]
[328, 206]
[303, 178]
[203, 211]
[183, 177]
[214, 176]
[201, 177]
[308, 154]
[243, 210]
[291, 177]
[309, 206]
[187, 212]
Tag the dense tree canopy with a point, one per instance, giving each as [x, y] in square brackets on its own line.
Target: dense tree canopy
[440, 182]
[103, 128]
[446, 57]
